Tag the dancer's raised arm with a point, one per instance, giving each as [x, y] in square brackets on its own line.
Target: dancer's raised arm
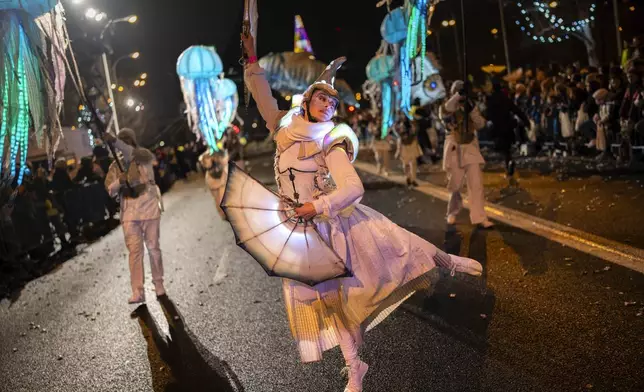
[259, 87]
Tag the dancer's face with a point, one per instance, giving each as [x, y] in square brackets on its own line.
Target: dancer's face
[322, 106]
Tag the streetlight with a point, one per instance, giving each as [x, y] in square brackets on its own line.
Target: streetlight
[137, 83]
[494, 31]
[129, 102]
[553, 4]
[452, 22]
[142, 83]
[445, 23]
[134, 56]
[144, 76]
[92, 13]
[131, 19]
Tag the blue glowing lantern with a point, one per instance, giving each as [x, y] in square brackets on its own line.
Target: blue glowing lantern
[199, 62]
[225, 88]
[380, 68]
[394, 26]
[35, 8]
[198, 68]
[227, 102]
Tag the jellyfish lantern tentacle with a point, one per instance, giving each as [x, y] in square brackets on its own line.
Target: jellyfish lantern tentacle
[388, 102]
[206, 116]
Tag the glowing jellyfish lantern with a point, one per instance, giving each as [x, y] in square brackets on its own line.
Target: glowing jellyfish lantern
[26, 102]
[380, 68]
[198, 68]
[227, 101]
[394, 27]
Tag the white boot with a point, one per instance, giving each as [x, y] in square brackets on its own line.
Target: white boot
[357, 370]
[466, 265]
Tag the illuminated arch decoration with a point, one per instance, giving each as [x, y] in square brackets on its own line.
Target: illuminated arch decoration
[556, 29]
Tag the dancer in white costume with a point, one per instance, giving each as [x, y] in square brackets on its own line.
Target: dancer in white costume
[388, 263]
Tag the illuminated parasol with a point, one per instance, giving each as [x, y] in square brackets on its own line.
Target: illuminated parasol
[265, 226]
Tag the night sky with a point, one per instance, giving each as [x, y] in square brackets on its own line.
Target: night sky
[335, 28]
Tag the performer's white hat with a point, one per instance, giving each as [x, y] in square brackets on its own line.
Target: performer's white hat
[326, 81]
[127, 133]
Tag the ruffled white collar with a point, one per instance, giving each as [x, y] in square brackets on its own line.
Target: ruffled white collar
[295, 129]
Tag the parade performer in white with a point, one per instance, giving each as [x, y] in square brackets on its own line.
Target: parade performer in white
[141, 208]
[215, 164]
[313, 166]
[462, 157]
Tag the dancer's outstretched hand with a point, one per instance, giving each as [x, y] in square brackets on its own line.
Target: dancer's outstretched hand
[307, 211]
[249, 44]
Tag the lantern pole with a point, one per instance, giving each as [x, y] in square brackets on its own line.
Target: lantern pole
[505, 36]
[617, 32]
[466, 83]
[108, 80]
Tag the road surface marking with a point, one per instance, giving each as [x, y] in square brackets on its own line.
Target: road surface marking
[609, 250]
[221, 274]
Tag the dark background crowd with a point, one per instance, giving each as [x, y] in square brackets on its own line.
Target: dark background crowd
[554, 111]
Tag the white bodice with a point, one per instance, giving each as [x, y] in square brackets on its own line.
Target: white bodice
[302, 180]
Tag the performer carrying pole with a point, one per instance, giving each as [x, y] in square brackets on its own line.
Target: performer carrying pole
[462, 157]
[141, 208]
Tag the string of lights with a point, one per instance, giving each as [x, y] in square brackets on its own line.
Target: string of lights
[5, 111]
[20, 134]
[387, 118]
[558, 29]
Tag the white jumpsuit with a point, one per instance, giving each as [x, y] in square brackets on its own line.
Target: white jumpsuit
[140, 218]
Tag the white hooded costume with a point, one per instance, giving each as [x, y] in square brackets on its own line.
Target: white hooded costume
[462, 157]
[141, 216]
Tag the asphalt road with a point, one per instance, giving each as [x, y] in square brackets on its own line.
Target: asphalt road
[542, 318]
